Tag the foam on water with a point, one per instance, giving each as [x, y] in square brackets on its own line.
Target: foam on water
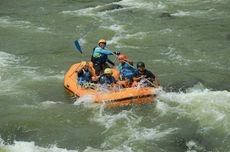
[194, 147]
[119, 33]
[86, 101]
[90, 11]
[123, 129]
[175, 56]
[110, 121]
[8, 22]
[208, 107]
[34, 74]
[138, 35]
[7, 63]
[7, 59]
[125, 4]
[13, 73]
[42, 105]
[130, 131]
[142, 4]
[196, 13]
[21, 146]
[166, 31]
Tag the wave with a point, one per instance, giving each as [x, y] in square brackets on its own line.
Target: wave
[22, 146]
[175, 56]
[41, 105]
[8, 22]
[200, 104]
[126, 127]
[7, 59]
[142, 5]
[13, 74]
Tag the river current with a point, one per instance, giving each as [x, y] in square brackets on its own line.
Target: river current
[186, 43]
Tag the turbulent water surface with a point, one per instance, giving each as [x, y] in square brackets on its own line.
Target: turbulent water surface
[186, 43]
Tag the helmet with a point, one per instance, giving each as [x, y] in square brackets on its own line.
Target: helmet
[140, 64]
[123, 57]
[108, 71]
[83, 63]
[102, 41]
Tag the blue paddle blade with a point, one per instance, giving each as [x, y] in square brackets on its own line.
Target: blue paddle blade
[77, 45]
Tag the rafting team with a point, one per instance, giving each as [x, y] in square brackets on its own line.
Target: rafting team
[99, 71]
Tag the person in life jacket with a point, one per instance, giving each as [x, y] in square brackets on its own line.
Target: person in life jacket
[107, 77]
[126, 69]
[99, 56]
[85, 73]
[143, 73]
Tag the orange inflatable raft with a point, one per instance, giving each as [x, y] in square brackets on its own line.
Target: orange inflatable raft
[113, 97]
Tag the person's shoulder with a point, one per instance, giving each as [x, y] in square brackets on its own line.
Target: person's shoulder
[148, 71]
[97, 48]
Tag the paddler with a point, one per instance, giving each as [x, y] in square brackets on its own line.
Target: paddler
[85, 73]
[100, 57]
[107, 77]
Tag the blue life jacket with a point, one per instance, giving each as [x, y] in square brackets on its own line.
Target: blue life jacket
[106, 79]
[127, 71]
[99, 55]
[84, 76]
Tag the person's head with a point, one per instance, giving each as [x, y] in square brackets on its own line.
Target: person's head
[141, 66]
[102, 43]
[85, 65]
[108, 71]
[122, 58]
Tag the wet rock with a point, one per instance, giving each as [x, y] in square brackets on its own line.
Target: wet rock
[110, 7]
[165, 14]
[182, 86]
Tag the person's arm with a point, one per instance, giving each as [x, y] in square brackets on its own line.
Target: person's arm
[103, 51]
[150, 75]
[114, 80]
[111, 62]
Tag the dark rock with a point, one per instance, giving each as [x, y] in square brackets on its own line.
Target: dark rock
[182, 86]
[110, 7]
[165, 14]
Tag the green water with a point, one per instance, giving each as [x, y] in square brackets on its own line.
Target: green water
[184, 42]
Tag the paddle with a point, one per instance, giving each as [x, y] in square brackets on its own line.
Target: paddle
[78, 46]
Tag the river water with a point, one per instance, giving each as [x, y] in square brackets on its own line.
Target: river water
[184, 42]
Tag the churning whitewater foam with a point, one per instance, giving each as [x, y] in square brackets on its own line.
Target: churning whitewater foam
[128, 124]
[197, 13]
[8, 22]
[12, 73]
[210, 108]
[102, 10]
[175, 56]
[21, 146]
[142, 5]
[86, 101]
[120, 32]
[7, 59]
[41, 105]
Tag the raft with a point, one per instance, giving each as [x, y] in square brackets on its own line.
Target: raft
[112, 97]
